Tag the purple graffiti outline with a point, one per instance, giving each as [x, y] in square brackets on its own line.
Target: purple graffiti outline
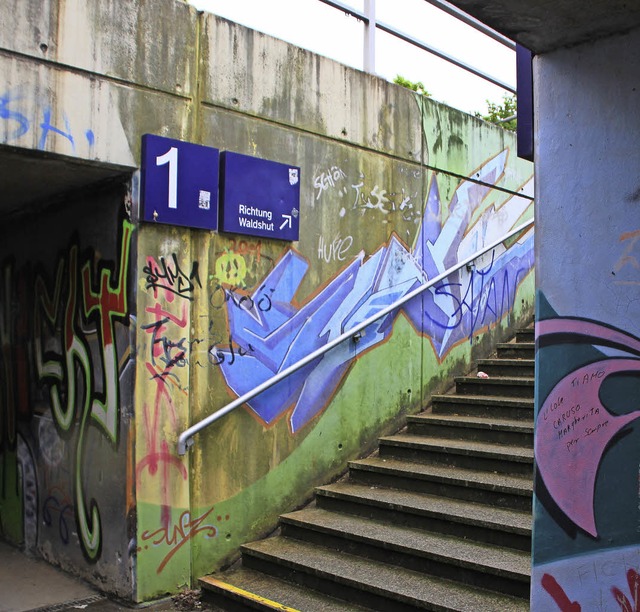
[274, 340]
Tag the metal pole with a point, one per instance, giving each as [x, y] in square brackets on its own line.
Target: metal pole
[369, 57]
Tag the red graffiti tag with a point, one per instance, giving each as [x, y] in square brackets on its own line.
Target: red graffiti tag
[160, 454]
[176, 537]
[551, 586]
[633, 579]
[167, 355]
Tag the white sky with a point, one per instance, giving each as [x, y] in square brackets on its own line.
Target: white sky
[315, 26]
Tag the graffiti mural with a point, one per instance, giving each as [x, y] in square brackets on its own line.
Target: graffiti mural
[574, 427]
[607, 580]
[166, 359]
[176, 536]
[103, 303]
[65, 349]
[266, 340]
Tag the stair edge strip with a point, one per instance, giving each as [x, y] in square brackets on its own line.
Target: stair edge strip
[237, 591]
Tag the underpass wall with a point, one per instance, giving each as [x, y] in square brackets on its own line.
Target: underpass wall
[394, 189]
[67, 387]
[586, 548]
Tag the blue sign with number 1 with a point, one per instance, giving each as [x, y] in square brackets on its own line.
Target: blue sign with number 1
[180, 182]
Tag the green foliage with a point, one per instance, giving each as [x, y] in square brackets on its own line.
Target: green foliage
[418, 87]
[497, 113]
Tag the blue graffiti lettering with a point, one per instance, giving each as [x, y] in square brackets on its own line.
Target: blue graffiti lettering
[11, 115]
[19, 124]
[273, 334]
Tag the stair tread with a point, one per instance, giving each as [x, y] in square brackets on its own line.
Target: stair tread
[500, 380]
[508, 360]
[408, 586]
[516, 521]
[491, 480]
[481, 538]
[468, 447]
[518, 402]
[245, 583]
[476, 422]
[500, 561]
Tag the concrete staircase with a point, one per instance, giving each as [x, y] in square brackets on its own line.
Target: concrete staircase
[438, 519]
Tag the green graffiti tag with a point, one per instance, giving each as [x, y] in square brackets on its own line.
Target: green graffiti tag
[70, 375]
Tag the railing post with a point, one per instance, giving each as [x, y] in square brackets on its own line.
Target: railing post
[369, 57]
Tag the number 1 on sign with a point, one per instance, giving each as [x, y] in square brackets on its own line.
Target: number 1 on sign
[171, 158]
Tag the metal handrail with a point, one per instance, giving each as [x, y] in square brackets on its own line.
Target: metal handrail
[448, 8]
[445, 56]
[444, 6]
[185, 440]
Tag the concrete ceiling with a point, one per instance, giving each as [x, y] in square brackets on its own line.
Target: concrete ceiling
[31, 180]
[545, 25]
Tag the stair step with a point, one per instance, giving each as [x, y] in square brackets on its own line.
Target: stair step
[501, 431]
[438, 519]
[370, 583]
[517, 350]
[484, 405]
[501, 569]
[479, 522]
[507, 367]
[510, 491]
[468, 454]
[244, 588]
[527, 334]
[510, 386]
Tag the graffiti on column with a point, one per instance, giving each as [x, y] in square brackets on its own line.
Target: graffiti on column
[574, 427]
[586, 413]
[165, 321]
[171, 285]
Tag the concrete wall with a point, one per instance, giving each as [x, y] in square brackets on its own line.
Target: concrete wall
[587, 542]
[67, 388]
[394, 189]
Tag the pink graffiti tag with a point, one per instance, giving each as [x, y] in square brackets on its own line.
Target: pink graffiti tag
[573, 427]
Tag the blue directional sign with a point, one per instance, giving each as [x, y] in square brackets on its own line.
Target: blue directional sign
[180, 182]
[259, 197]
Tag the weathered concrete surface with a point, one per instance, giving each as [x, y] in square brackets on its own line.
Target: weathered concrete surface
[255, 74]
[393, 190]
[126, 40]
[28, 584]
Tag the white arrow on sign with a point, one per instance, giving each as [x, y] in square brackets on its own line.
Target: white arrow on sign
[287, 221]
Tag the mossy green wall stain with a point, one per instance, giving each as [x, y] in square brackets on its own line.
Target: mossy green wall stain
[358, 412]
[164, 551]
